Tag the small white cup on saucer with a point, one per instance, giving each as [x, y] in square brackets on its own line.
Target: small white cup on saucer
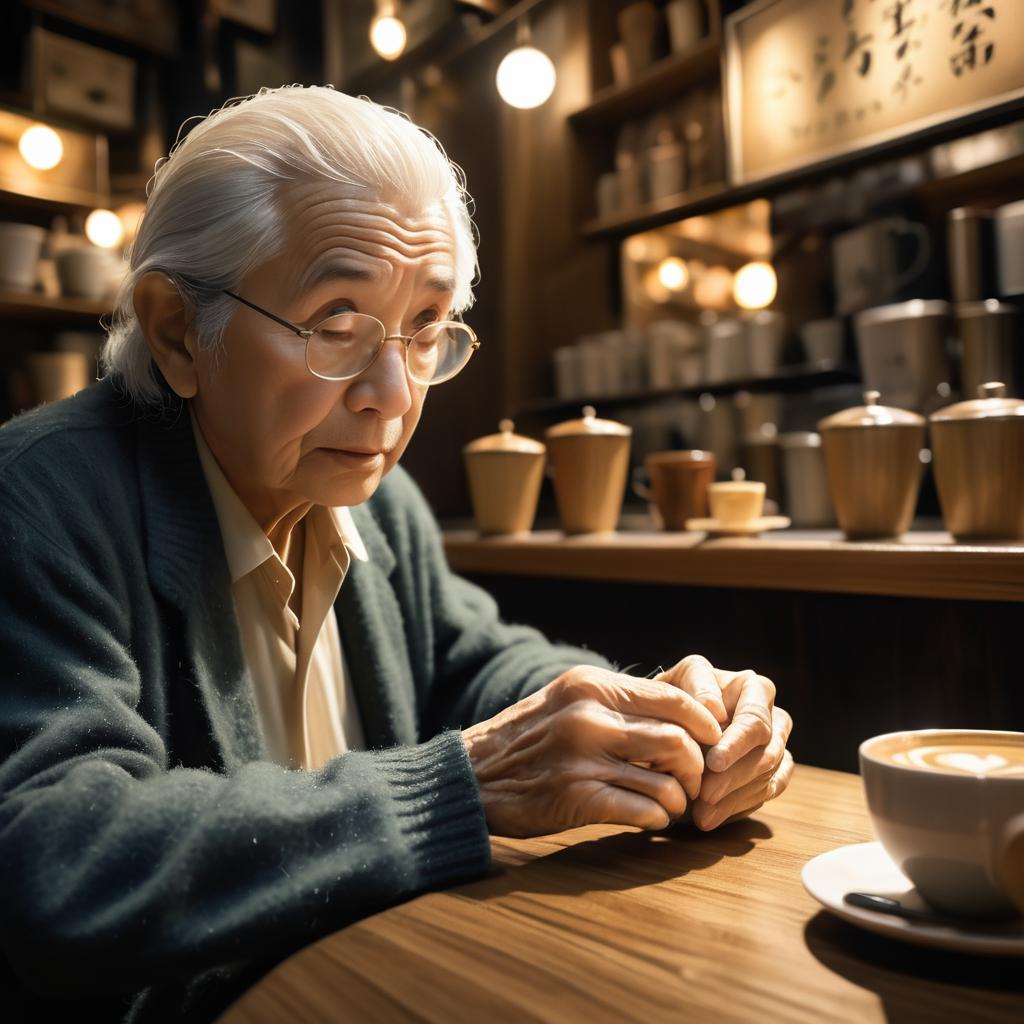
[948, 806]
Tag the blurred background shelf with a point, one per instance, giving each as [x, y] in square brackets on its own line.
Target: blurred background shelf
[805, 377]
[28, 305]
[662, 82]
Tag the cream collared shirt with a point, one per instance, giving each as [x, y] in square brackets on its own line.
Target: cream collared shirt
[303, 693]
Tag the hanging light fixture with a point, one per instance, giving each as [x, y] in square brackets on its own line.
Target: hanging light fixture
[104, 228]
[755, 285]
[526, 76]
[673, 273]
[40, 147]
[387, 31]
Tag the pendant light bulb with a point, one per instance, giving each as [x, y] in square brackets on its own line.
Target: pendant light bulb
[40, 147]
[755, 285]
[387, 32]
[526, 77]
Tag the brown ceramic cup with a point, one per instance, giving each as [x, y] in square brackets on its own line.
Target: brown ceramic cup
[679, 485]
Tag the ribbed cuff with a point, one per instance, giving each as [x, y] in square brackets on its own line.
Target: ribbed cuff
[439, 809]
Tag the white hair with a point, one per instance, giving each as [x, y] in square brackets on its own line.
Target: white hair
[213, 212]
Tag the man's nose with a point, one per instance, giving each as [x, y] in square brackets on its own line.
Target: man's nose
[384, 385]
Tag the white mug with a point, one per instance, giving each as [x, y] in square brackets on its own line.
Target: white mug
[866, 262]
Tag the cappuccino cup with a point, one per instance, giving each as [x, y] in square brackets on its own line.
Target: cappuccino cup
[736, 502]
[948, 807]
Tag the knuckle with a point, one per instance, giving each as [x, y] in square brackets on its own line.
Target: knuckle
[571, 721]
[769, 687]
[695, 661]
[577, 683]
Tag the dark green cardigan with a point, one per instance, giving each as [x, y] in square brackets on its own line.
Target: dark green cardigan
[153, 861]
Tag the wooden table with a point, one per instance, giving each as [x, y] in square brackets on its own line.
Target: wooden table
[609, 924]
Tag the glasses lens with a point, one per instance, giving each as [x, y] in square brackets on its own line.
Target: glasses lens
[438, 351]
[344, 345]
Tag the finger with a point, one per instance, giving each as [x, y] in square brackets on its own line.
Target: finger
[663, 746]
[759, 763]
[745, 800]
[782, 778]
[617, 806]
[751, 724]
[665, 789]
[650, 698]
[696, 676]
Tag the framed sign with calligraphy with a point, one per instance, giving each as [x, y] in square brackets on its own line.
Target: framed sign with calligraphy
[808, 81]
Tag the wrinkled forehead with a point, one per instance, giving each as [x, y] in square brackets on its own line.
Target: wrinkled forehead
[338, 231]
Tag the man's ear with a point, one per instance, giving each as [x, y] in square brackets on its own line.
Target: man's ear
[162, 319]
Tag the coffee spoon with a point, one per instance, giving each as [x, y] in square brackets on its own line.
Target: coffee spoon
[888, 905]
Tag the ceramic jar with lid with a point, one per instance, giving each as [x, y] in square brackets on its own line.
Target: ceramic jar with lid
[873, 459]
[589, 462]
[978, 450]
[505, 473]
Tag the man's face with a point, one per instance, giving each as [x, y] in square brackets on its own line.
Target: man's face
[282, 436]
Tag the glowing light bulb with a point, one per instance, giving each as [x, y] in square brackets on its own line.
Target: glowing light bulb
[526, 78]
[104, 228]
[41, 148]
[673, 273]
[755, 286]
[387, 36]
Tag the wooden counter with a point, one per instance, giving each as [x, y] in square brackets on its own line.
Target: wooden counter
[603, 924]
[929, 565]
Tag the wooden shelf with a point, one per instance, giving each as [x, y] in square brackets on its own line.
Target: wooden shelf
[921, 565]
[654, 214]
[156, 38]
[661, 82]
[712, 198]
[789, 378]
[30, 305]
[60, 200]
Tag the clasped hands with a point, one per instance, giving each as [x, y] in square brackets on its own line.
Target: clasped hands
[595, 746]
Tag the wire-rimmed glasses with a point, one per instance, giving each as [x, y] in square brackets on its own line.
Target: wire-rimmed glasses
[344, 345]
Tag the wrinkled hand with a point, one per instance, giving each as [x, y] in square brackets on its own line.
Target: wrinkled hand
[749, 765]
[592, 746]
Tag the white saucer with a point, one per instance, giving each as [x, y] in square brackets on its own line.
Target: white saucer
[865, 867]
[747, 529]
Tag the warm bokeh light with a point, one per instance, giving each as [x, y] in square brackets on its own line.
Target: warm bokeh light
[387, 36]
[646, 248]
[673, 273]
[130, 216]
[526, 78]
[40, 147]
[654, 290]
[104, 228]
[713, 289]
[755, 286]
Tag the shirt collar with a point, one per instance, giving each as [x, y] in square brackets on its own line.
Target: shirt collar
[246, 546]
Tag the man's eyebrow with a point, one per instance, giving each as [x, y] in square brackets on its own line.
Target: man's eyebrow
[350, 272]
[331, 271]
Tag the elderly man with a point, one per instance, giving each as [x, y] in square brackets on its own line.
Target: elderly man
[245, 700]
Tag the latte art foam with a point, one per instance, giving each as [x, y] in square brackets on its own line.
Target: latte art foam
[990, 760]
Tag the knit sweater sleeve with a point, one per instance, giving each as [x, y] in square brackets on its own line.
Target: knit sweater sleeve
[118, 872]
[478, 663]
